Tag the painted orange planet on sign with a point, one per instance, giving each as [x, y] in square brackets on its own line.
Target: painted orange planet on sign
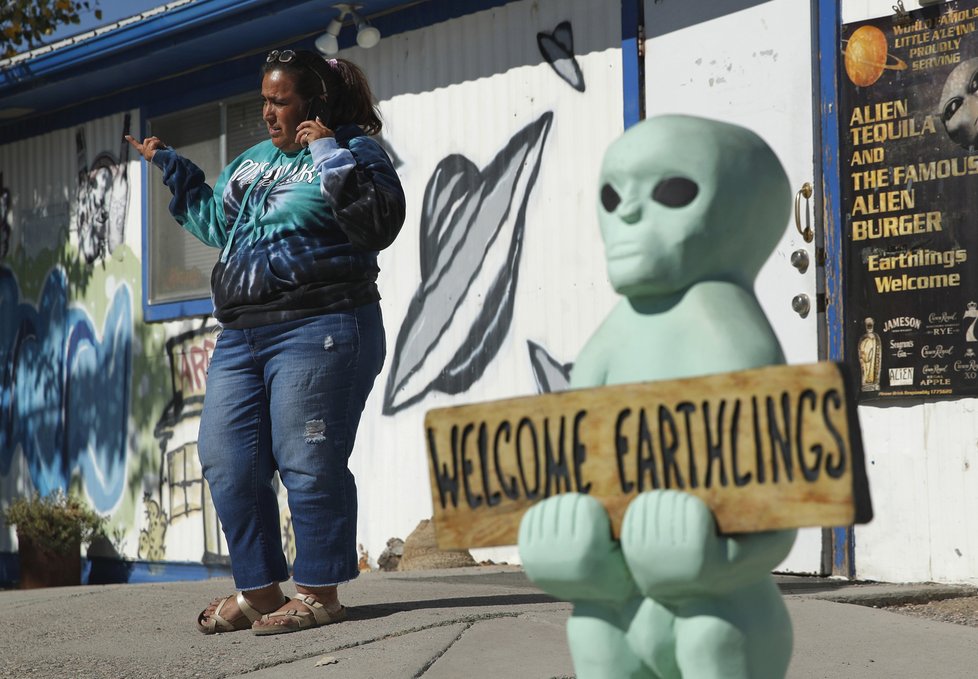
[866, 56]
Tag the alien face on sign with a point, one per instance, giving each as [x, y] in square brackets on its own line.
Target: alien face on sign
[959, 104]
[683, 199]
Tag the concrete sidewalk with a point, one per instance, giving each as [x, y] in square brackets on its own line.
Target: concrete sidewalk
[473, 623]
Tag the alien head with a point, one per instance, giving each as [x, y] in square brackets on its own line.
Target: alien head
[684, 199]
[959, 104]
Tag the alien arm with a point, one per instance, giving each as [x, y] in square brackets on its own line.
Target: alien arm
[749, 555]
[591, 367]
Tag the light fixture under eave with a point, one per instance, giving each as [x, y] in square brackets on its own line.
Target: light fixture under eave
[328, 42]
[367, 35]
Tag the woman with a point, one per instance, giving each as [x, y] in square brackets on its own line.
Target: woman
[299, 219]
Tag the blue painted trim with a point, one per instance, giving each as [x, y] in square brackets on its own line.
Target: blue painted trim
[144, 220]
[827, 23]
[430, 13]
[169, 311]
[171, 26]
[219, 81]
[232, 72]
[828, 52]
[106, 571]
[164, 311]
[79, 57]
[631, 66]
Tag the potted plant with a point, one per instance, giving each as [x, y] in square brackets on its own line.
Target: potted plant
[50, 533]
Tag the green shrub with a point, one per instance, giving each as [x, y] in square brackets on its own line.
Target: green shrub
[55, 522]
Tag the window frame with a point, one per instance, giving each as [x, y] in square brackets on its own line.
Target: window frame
[190, 307]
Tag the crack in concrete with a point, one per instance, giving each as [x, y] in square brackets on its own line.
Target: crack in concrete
[434, 659]
[467, 620]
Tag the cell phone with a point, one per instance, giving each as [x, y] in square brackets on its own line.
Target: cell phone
[318, 107]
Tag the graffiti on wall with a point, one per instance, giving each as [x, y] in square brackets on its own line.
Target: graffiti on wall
[101, 198]
[471, 239]
[549, 374]
[557, 48]
[183, 502]
[183, 494]
[65, 388]
[472, 228]
[5, 230]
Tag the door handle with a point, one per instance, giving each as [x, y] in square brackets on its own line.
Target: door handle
[804, 192]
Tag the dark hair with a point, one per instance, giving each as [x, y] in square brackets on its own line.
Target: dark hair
[348, 95]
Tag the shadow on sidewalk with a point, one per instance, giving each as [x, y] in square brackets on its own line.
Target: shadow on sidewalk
[373, 611]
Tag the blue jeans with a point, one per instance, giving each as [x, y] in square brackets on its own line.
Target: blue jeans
[288, 396]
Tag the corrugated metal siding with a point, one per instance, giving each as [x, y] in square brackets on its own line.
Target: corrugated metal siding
[477, 88]
[42, 176]
[466, 87]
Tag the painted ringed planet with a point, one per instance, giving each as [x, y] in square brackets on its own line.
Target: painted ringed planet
[866, 56]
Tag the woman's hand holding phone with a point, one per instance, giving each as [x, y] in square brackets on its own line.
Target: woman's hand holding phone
[310, 130]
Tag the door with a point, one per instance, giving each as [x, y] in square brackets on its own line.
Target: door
[749, 62]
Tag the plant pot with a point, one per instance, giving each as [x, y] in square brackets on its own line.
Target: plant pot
[42, 567]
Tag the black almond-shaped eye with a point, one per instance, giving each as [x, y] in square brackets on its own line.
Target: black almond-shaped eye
[973, 85]
[951, 108]
[609, 198]
[675, 191]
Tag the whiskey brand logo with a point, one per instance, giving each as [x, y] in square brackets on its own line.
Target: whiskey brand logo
[942, 318]
[940, 351]
[934, 369]
[901, 324]
[900, 377]
[943, 323]
[971, 365]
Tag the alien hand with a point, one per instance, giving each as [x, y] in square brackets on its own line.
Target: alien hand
[567, 550]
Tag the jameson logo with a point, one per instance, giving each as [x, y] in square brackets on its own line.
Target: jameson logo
[901, 323]
[766, 439]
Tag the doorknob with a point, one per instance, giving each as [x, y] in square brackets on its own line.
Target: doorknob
[800, 260]
[804, 192]
[801, 305]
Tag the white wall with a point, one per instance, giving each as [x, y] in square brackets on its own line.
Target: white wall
[466, 87]
[922, 462]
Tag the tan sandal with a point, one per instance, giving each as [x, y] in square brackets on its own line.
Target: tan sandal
[214, 623]
[293, 620]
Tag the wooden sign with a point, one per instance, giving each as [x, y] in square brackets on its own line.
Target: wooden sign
[775, 447]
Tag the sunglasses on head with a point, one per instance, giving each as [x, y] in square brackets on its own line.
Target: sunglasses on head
[286, 56]
[283, 56]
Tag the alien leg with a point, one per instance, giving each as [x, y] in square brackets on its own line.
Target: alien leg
[745, 635]
[567, 550]
[728, 611]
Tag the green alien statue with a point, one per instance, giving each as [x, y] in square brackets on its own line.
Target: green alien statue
[690, 209]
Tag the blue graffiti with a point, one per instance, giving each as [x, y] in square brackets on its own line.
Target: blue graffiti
[64, 395]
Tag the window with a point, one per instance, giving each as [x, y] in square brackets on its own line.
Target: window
[178, 265]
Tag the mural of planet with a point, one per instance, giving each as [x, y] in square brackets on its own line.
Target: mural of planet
[866, 56]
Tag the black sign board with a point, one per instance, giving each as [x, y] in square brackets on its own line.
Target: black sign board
[908, 151]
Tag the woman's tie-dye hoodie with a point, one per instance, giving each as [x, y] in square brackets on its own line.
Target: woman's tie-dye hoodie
[306, 241]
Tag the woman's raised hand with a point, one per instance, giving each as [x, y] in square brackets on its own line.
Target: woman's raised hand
[147, 147]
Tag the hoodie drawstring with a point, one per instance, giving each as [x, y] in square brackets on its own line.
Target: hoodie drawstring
[244, 203]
